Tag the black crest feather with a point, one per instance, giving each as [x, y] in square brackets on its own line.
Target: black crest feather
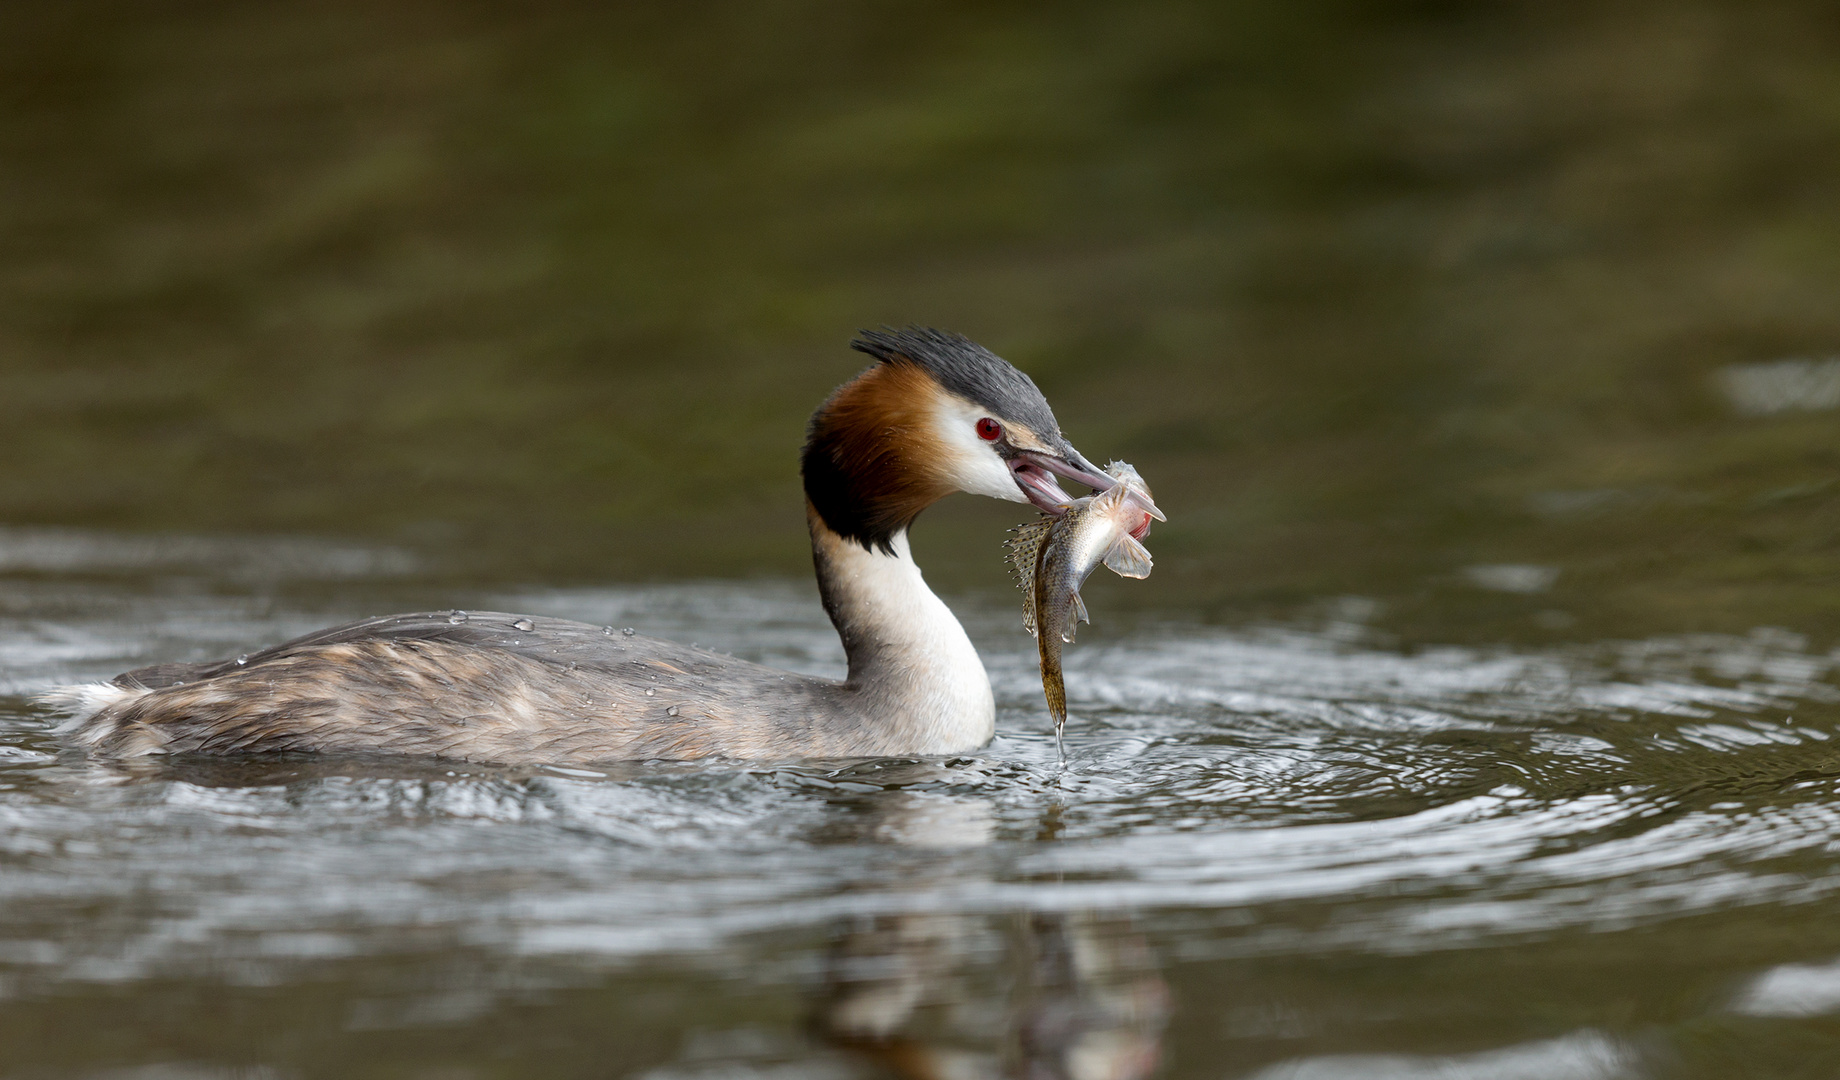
[965, 368]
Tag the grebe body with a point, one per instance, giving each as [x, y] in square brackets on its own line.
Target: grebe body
[935, 414]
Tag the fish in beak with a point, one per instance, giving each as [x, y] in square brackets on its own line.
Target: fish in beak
[1036, 474]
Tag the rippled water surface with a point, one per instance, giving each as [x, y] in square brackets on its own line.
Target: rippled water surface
[1272, 852]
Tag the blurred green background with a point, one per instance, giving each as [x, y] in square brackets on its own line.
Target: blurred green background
[1379, 296]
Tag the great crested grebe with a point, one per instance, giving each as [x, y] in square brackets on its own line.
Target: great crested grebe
[935, 414]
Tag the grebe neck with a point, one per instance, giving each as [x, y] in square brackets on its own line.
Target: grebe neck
[913, 669]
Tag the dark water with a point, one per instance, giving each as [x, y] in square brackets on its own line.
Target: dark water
[1372, 291]
[1478, 722]
[1274, 851]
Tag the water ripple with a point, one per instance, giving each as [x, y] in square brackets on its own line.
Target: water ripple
[1301, 791]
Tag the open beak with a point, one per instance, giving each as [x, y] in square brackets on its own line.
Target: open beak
[1035, 474]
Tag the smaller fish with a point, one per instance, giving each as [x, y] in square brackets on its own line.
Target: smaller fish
[1054, 556]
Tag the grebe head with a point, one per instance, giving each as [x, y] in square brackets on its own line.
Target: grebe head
[937, 414]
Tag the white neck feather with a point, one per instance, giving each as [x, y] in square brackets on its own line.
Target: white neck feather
[913, 668]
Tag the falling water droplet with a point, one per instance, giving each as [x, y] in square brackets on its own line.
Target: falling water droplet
[456, 616]
[628, 631]
[524, 624]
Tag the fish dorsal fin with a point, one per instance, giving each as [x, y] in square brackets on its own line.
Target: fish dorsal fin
[1128, 558]
[1024, 552]
[1025, 546]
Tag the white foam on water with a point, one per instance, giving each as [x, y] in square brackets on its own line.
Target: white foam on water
[67, 551]
[1586, 1055]
[1780, 386]
[1792, 990]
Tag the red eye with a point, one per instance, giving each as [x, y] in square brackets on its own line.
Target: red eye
[989, 430]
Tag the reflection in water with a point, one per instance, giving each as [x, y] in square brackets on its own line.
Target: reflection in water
[1067, 997]
[944, 996]
[1097, 1008]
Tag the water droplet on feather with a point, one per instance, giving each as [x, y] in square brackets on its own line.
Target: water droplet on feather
[524, 624]
[456, 617]
[672, 711]
[243, 659]
[628, 631]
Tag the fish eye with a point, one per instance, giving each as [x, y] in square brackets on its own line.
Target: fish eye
[989, 430]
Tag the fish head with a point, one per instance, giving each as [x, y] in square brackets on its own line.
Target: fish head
[1128, 502]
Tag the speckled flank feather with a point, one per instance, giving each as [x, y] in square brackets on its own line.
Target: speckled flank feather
[553, 691]
[505, 688]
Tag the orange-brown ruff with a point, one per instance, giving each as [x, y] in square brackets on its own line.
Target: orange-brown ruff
[508, 688]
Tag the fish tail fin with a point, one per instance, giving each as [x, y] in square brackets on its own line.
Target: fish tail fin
[1056, 692]
[1128, 558]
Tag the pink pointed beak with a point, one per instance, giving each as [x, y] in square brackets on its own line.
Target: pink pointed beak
[1035, 474]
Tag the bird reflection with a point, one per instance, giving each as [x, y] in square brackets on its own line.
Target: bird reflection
[1097, 1006]
[953, 996]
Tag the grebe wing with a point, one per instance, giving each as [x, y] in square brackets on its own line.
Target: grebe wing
[554, 641]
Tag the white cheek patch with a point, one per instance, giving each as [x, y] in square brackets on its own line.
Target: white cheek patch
[966, 461]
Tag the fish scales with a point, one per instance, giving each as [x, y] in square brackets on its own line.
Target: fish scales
[1053, 557]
